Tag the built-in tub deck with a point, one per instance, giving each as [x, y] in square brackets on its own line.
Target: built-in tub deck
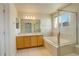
[64, 48]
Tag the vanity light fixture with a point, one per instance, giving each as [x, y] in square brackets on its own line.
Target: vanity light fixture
[29, 17]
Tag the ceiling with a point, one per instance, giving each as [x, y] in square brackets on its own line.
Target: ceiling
[38, 8]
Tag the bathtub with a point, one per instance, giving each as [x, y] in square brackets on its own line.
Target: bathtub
[66, 46]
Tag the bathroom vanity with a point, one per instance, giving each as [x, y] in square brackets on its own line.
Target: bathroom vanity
[29, 40]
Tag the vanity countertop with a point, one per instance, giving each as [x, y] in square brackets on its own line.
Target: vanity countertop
[29, 34]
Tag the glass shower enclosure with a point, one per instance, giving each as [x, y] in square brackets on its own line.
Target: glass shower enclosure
[67, 32]
[65, 28]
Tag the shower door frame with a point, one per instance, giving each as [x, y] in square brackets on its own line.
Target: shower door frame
[59, 33]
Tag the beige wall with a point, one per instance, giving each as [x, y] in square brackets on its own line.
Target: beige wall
[10, 29]
[45, 20]
[78, 26]
[13, 16]
[2, 49]
[54, 30]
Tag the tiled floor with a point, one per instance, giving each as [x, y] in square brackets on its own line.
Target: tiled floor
[39, 51]
[72, 54]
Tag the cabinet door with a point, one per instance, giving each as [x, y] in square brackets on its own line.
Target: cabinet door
[27, 42]
[33, 41]
[40, 40]
[19, 42]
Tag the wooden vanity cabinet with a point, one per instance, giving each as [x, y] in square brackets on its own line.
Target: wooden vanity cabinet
[27, 41]
[40, 41]
[19, 42]
[33, 41]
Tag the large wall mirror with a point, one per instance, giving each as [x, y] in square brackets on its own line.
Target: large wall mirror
[30, 26]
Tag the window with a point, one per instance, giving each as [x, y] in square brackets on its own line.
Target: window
[64, 19]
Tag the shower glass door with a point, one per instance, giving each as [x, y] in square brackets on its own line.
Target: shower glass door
[67, 31]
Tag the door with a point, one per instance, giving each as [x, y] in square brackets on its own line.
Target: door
[2, 50]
